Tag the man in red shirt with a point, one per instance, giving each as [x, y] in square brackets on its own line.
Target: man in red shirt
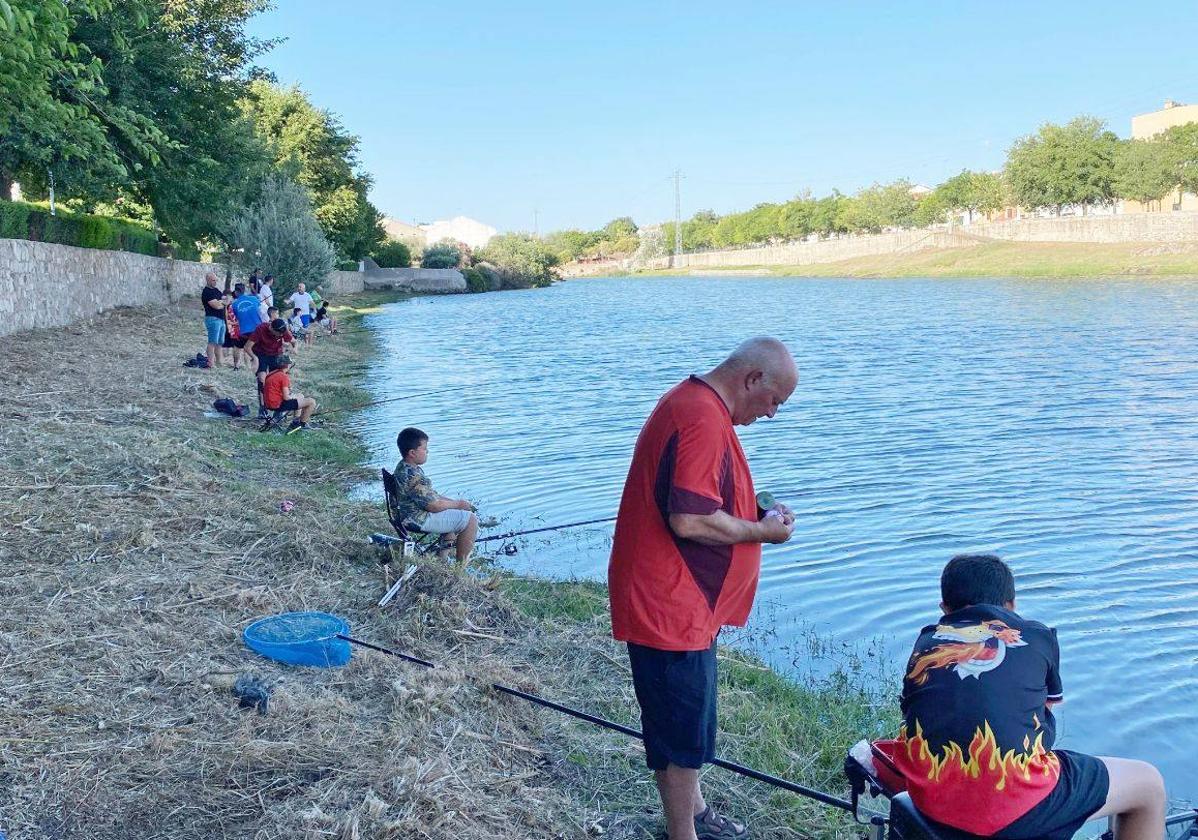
[266, 342]
[685, 561]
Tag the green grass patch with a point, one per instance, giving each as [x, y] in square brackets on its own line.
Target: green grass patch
[576, 600]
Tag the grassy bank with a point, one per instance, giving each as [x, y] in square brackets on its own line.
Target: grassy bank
[143, 536]
[1005, 259]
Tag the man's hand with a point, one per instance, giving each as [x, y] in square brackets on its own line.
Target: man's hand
[462, 504]
[776, 529]
[788, 515]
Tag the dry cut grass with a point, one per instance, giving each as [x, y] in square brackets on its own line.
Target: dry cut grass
[140, 539]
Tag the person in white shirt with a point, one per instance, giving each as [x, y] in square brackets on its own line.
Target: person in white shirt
[267, 295]
[301, 300]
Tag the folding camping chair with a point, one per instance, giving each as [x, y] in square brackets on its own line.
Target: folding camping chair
[414, 540]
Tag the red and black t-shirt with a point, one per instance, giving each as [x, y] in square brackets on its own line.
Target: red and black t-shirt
[267, 342]
[976, 744]
[666, 592]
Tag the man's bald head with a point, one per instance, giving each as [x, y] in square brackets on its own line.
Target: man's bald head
[756, 379]
[210, 279]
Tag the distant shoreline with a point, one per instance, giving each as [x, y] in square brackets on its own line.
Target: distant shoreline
[1048, 260]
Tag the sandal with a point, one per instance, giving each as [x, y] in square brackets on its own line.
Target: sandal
[710, 825]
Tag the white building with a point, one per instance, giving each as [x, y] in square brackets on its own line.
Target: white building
[460, 229]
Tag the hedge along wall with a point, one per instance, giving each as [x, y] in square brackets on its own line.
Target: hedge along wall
[48, 285]
[19, 220]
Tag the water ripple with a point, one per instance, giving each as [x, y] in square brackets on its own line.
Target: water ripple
[1053, 422]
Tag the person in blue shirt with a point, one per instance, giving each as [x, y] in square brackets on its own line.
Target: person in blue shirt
[246, 309]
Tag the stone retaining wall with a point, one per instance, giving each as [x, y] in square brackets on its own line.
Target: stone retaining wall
[426, 280]
[46, 285]
[1132, 227]
[824, 251]
[342, 283]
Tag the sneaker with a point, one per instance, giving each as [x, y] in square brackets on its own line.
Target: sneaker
[712, 826]
[296, 426]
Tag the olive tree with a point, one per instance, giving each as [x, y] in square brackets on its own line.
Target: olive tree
[280, 233]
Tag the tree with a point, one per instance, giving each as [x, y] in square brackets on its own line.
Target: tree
[1145, 170]
[312, 144]
[970, 192]
[1181, 141]
[279, 233]
[392, 254]
[620, 228]
[444, 254]
[51, 90]
[520, 261]
[1060, 165]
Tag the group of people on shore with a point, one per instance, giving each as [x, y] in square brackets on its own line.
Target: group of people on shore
[975, 751]
[245, 321]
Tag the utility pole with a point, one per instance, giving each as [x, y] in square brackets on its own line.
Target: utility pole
[536, 223]
[677, 176]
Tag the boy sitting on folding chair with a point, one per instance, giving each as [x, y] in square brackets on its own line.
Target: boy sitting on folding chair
[278, 397]
[423, 509]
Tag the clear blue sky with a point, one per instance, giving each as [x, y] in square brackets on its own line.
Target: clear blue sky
[582, 110]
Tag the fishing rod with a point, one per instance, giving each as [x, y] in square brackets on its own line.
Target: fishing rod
[446, 389]
[386, 539]
[740, 769]
[546, 528]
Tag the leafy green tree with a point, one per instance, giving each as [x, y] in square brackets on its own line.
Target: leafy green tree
[1060, 165]
[620, 228]
[312, 144]
[443, 254]
[570, 244]
[1181, 142]
[1144, 170]
[520, 261]
[54, 113]
[828, 214]
[795, 218]
[932, 209]
[280, 234]
[392, 254]
[970, 192]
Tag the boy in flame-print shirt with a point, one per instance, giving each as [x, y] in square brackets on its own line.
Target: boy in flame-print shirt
[978, 729]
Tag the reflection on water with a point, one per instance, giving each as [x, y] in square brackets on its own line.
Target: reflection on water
[1052, 422]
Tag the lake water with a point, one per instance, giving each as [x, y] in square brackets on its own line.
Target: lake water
[1052, 422]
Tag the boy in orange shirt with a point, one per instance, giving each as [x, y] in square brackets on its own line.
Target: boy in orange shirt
[277, 395]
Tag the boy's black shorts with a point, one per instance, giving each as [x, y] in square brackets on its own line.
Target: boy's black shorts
[677, 694]
[1081, 790]
[267, 363]
[288, 405]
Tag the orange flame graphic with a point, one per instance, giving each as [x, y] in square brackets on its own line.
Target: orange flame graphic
[942, 656]
[984, 761]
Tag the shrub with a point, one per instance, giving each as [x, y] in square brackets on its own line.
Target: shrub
[475, 281]
[441, 255]
[392, 254]
[14, 220]
[280, 234]
[347, 265]
[20, 220]
[96, 232]
[521, 261]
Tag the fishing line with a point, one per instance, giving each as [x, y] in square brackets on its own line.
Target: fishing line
[748, 772]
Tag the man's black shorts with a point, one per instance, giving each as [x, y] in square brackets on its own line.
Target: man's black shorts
[677, 694]
[1081, 790]
[234, 343]
[267, 363]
